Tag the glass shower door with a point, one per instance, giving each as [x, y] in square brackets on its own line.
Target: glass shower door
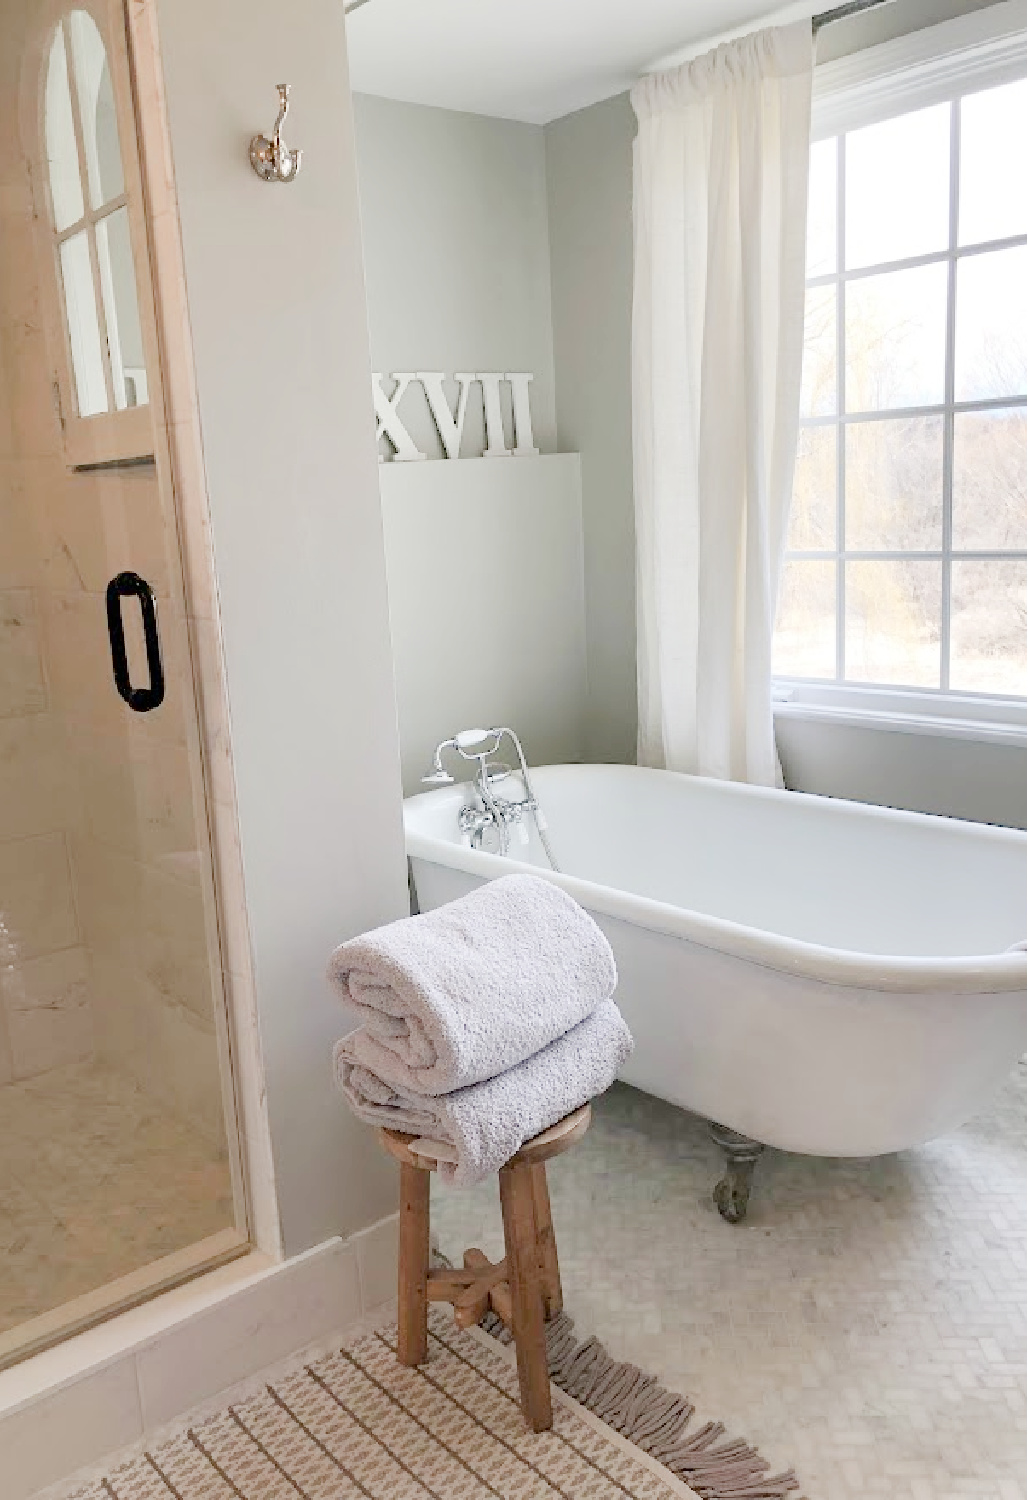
[119, 1158]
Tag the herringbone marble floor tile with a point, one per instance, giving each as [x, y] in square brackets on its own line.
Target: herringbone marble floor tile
[866, 1322]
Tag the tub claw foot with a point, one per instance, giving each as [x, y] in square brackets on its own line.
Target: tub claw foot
[732, 1193]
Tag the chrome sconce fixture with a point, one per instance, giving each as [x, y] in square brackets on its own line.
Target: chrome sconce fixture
[271, 159]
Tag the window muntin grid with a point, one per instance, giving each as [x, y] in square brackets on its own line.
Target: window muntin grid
[90, 220]
[825, 541]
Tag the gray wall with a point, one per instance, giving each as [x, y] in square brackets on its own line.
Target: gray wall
[589, 180]
[276, 296]
[484, 557]
[484, 560]
[589, 191]
[931, 773]
[453, 215]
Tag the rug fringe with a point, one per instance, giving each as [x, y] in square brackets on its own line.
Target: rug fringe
[638, 1407]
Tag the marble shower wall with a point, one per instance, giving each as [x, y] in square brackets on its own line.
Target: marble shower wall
[45, 1012]
[103, 943]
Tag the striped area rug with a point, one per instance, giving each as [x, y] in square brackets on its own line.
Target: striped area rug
[357, 1423]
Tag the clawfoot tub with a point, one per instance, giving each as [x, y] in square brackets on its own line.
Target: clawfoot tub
[810, 974]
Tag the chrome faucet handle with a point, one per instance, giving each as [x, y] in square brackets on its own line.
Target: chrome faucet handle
[497, 770]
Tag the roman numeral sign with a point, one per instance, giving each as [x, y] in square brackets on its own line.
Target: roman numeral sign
[450, 424]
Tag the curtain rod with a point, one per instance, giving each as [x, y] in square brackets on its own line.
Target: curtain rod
[826, 17]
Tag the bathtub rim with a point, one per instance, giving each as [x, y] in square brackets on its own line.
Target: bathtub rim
[992, 973]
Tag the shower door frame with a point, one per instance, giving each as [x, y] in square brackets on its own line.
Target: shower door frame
[130, 35]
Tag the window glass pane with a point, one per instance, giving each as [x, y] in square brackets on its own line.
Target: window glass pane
[96, 107]
[897, 188]
[987, 627]
[989, 511]
[992, 307]
[812, 513]
[83, 326]
[121, 310]
[822, 208]
[894, 485]
[61, 150]
[817, 396]
[893, 616]
[993, 198]
[804, 642]
[896, 339]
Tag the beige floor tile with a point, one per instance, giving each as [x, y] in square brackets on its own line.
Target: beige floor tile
[95, 1181]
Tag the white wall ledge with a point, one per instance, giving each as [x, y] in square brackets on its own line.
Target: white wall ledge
[980, 731]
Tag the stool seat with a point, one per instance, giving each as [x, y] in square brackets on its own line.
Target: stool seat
[523, 1289]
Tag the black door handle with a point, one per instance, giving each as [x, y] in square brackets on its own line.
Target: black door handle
[142, 699]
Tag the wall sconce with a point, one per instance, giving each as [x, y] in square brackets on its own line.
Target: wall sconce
[271, 159]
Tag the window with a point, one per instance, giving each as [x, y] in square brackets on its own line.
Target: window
[905, 564]
[89, 218]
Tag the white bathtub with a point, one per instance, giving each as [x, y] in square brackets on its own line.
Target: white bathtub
[814, 974]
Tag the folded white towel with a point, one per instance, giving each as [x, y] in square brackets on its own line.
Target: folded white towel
[473, 988]
[487, 1122]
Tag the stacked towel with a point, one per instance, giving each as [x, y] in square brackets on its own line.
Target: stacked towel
[487, 1122]
[484, 1022]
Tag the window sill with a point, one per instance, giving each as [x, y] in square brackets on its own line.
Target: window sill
[993, 721]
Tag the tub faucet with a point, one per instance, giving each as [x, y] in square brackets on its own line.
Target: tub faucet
[488, 809]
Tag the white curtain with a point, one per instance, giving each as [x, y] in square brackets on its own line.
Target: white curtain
[720, 209]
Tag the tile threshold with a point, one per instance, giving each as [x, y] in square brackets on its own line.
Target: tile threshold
[92, 1350]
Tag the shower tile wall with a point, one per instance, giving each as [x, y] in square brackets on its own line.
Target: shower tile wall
[104, 950]
[133, 849]
[45, 1012]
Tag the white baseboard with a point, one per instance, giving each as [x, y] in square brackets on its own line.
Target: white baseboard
[108, 1389]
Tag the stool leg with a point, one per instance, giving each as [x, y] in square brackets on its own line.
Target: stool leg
[553, 1297]
[524, 1274]
[412, 1310]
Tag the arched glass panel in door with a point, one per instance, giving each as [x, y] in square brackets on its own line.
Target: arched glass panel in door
[90, 220]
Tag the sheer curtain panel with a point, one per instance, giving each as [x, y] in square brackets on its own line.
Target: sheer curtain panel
[720, 208]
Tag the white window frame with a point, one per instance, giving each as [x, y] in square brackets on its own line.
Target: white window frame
[939, 63]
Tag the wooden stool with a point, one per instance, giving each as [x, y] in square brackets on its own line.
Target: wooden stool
[523, 1288]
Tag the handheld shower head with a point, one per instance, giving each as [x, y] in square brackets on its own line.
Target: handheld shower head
[439, 776]
[469, 738]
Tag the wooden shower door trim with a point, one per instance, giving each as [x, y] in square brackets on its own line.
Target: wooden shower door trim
[180, 461]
